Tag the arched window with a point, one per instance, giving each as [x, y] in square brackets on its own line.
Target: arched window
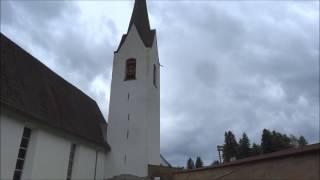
[130, 69]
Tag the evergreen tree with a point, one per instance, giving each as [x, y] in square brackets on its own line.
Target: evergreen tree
[266, 141]
[230, 147]
[199, 162]
[255, 150]
[275, 141]
[190, 164]
[244, 146]
[302, 141]
[280, 141]
[294, 141]
[215, 163]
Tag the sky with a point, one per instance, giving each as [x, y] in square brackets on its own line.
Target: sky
[227, 65]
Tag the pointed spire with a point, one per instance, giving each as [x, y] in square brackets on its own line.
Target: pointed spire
[140, 19]
[139, 16]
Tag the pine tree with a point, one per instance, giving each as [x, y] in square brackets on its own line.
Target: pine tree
[230, 148]
[215, 163]
[280, 141]
[294, 141]
[266, 141]
[255, 150]
[190, 164]
[199, 162]
[244, 146]
[302, 141]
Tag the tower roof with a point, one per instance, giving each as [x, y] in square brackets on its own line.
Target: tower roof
[140, 19]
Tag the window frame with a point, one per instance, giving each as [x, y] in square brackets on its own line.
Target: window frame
[71, 160]
[21, 156]
[130, 75]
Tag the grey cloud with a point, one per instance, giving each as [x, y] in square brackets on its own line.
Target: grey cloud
[34, 17]
[54, 26]
[227, 66]
[7, 17]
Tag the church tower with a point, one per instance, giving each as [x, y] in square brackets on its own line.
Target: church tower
[134, 111]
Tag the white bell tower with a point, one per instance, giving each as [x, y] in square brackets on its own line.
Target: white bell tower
[134, 111]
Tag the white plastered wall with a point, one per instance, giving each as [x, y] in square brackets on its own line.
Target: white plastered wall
[84, 163]
[142, 147]
[48, 152]
[47, 156]
[11, 133]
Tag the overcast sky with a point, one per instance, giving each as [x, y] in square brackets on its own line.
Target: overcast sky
[239, 66]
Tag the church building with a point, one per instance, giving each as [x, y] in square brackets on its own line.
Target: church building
[52, 130]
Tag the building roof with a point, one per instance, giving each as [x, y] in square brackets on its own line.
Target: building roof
[295, 163]
[30, 87]
[264, 157]
[165, 161]
[140, 19]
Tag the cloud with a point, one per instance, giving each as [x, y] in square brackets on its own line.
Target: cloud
[58, 36]
[240, 66]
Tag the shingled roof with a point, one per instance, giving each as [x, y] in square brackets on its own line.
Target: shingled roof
[140, 19]
[30, 87]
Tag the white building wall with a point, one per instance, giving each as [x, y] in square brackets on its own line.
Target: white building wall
[100, 165]
[153, 106]
[48, 152]
[49, 158]
[84, 163]
[11, 133]
[142, 147]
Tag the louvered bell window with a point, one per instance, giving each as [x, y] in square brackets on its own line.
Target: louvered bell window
[130, 69]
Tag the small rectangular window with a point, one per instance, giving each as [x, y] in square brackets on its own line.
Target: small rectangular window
[27, 133]
[154, 75]
[71, 161]
[130, 69]
[22, 153]
[24, 142]
[17, 175]
[127, 134]
[19, 164]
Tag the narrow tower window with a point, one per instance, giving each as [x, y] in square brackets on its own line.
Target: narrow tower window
[22, 153]
[127, 134]
[130, 69]
[71, 159]
[154, 75]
